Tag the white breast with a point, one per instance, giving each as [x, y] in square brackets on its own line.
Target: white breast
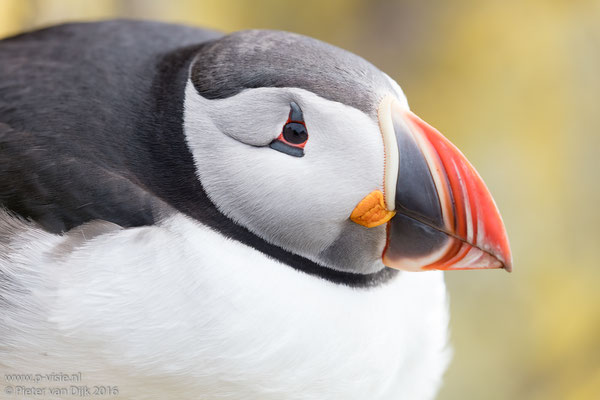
[177, 311]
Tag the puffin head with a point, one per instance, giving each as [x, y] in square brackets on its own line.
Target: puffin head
[314, 151]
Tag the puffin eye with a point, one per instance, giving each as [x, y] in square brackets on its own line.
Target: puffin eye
[294, 135]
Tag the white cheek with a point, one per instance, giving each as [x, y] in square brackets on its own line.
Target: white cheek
[346, 151]
[298, 203]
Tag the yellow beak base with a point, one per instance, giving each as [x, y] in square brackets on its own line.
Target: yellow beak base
[371, 211]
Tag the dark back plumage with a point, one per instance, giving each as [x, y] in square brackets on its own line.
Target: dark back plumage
[80, 114]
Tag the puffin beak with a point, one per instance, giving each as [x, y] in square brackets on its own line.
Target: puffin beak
[438, 211]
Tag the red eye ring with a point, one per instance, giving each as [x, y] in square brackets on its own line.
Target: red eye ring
[294, 135]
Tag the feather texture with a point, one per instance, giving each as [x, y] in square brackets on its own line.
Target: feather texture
[177, 311]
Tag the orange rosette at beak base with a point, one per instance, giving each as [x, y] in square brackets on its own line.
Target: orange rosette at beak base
[371, 211]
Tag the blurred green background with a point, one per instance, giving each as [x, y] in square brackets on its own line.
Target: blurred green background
[516, 86]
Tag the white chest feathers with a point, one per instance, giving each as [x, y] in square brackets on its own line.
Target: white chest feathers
[177, 311]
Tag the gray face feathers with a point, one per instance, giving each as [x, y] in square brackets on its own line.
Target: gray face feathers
[260, 58]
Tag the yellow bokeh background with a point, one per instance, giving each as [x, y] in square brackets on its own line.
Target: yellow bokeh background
[516, 85]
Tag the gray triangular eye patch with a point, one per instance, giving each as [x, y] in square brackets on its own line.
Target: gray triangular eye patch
[284, 148]
[296, 112]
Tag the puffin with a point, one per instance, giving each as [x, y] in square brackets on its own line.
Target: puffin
[186, 214]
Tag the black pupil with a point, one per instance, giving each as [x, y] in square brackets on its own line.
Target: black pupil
[295, 133]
